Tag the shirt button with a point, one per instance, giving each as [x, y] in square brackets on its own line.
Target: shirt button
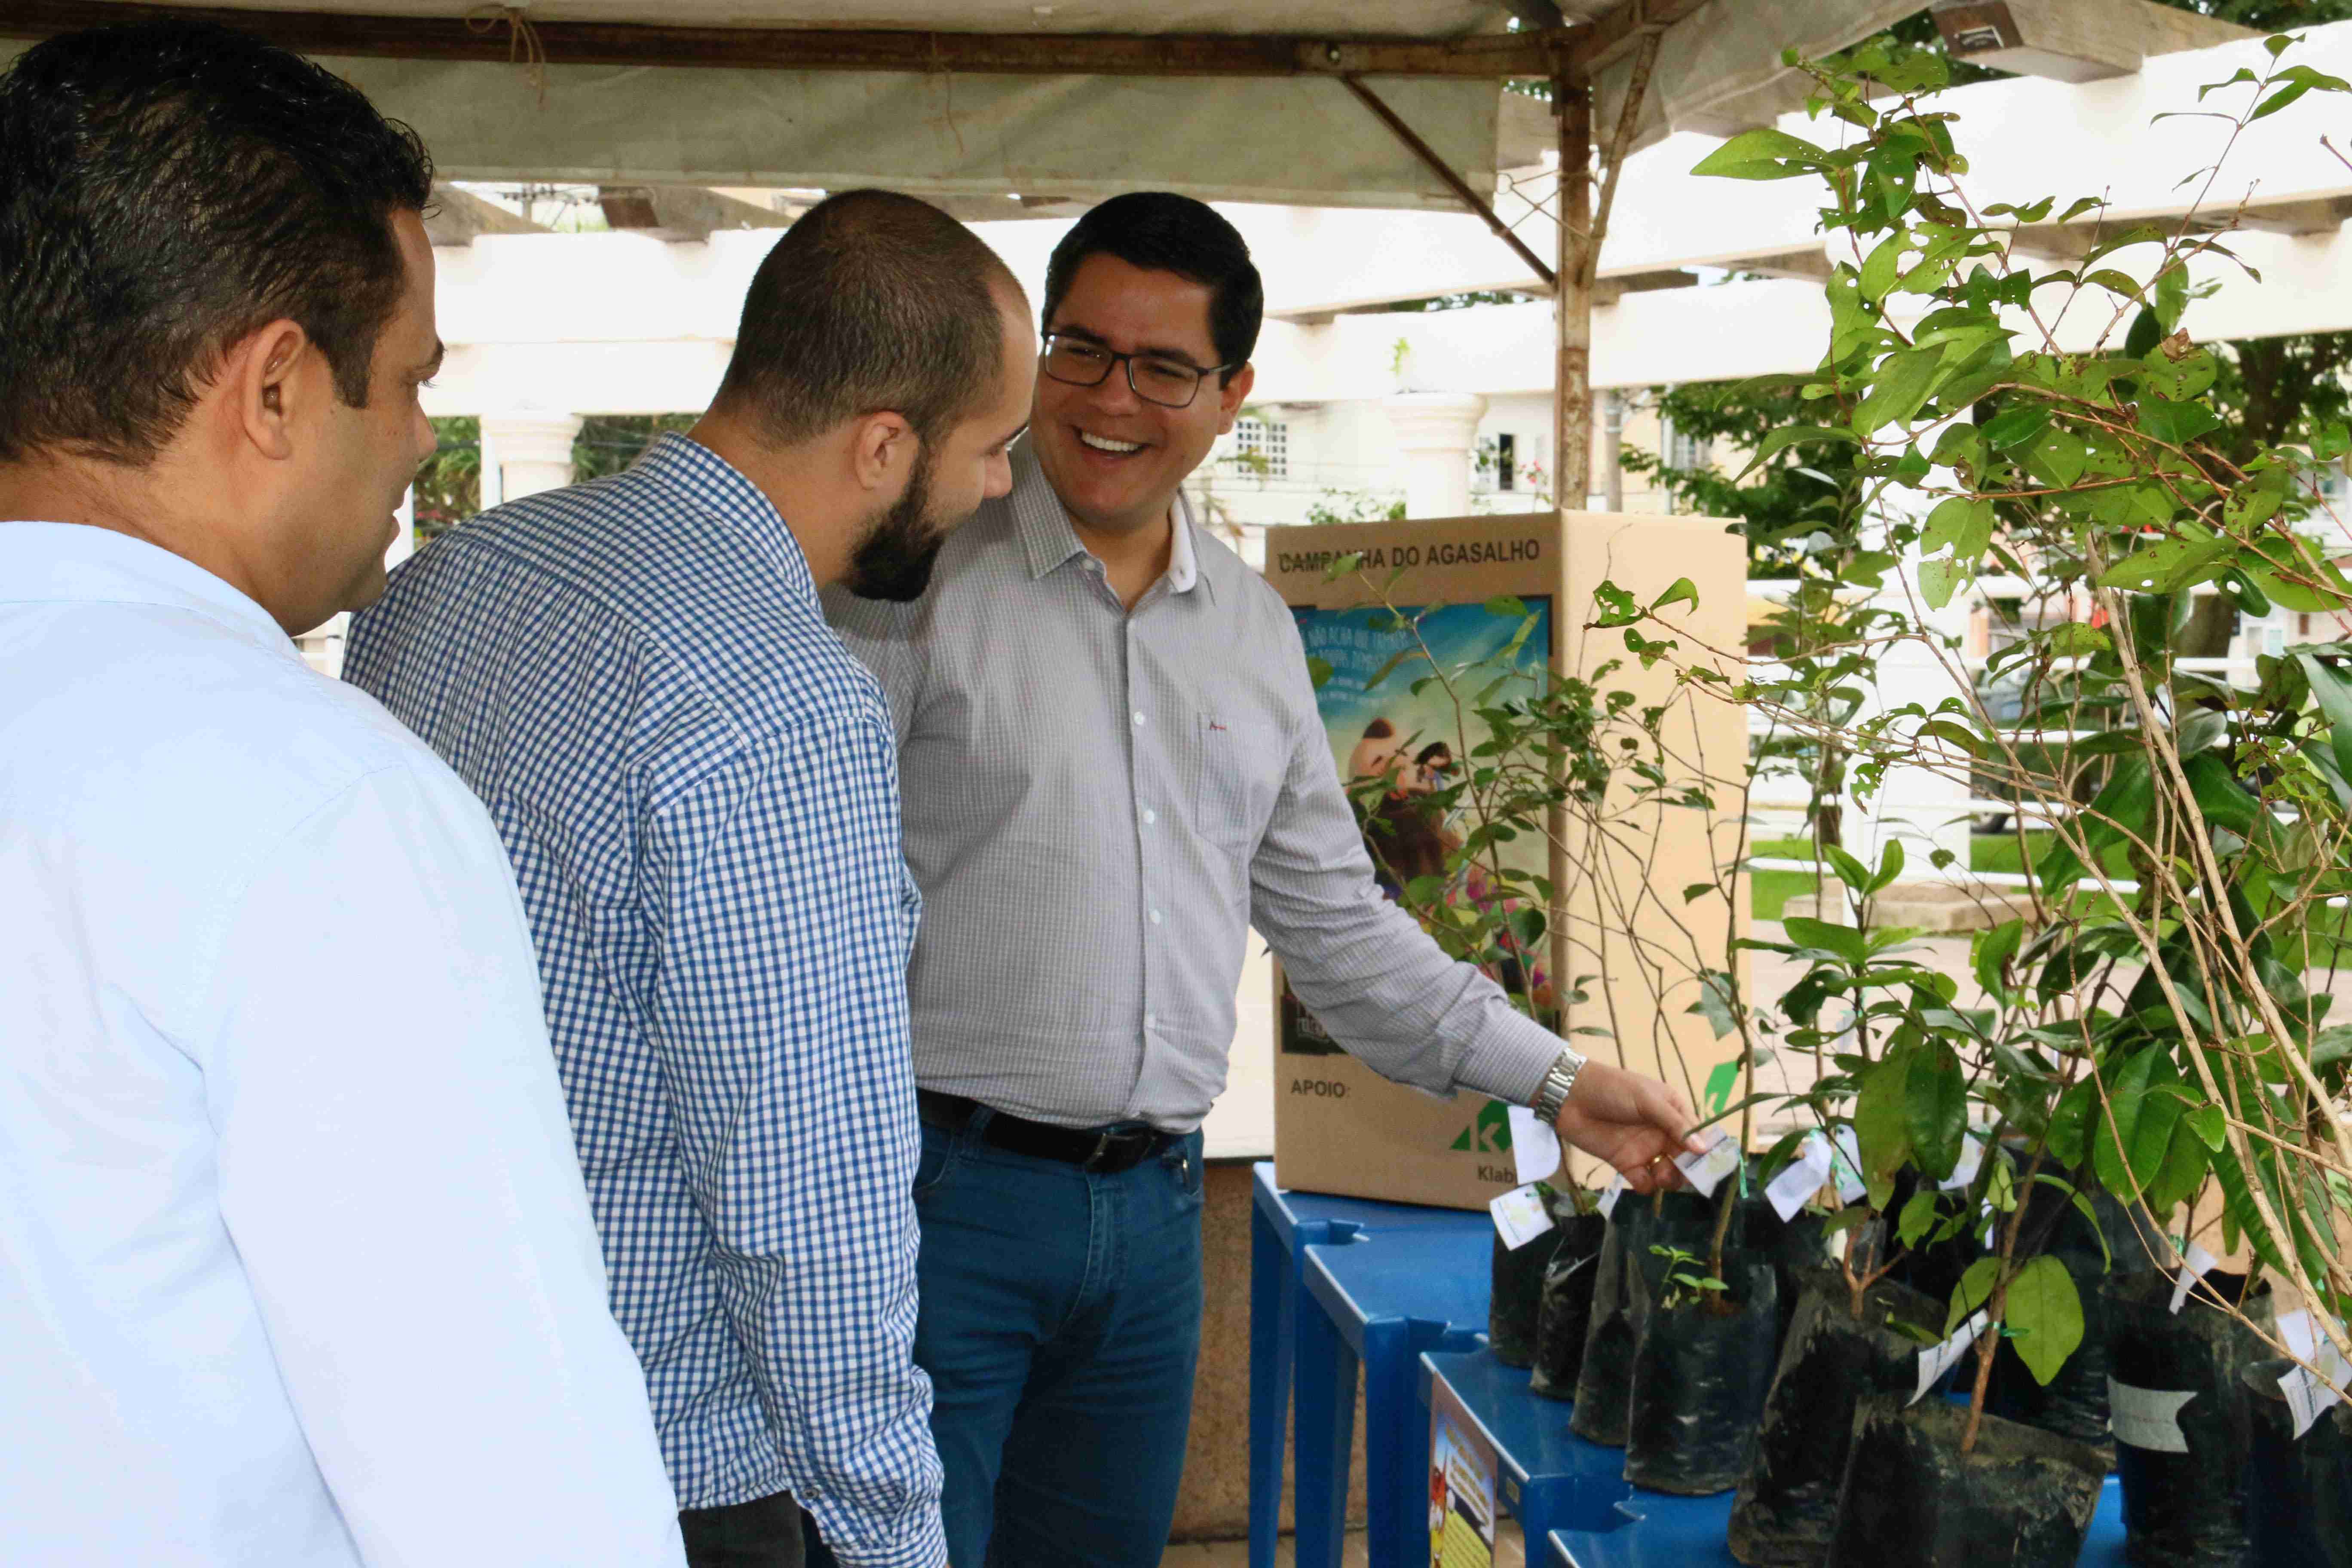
[1150, 1020]
[1138, 720]
[1155, 917]
[1149, 817]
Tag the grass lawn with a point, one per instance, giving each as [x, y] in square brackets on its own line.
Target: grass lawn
[1770, 890]
[2328, 935]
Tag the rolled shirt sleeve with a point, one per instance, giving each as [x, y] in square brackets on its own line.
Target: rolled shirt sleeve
[780, 1021]
[398, 1172]
[1361, 964]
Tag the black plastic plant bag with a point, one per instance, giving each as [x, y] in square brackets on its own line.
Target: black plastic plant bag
[2298, 1490]
[1605, 1381]
[2022, 1499]
[1700, 1372]
[2182, 1466]
[1830, 1359]
[2074, 1404]
[1518, 1288]
[1566, 1313]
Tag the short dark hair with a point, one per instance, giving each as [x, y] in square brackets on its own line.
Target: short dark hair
[1163, 232]
[871, 303]
[167, 189]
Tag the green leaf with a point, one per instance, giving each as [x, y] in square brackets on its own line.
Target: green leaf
[2210, 1125]
[1901, 386]
[2169, 565]
[2130, 1139]
[1319, 671]
[2044, 1313]
[2015, 426]
[1761, 154]
[1682, 591]
[1506, 605]
[1890, 865]
[1961, 521]
[1994, 949]
[1973, 1291]
[2177, 423]
[1936, 1108]
[1882, 266]
[2070, 1122]
[1840, 942]
[1848, 869]
[1881, 1131]
[1919, 1216]
[1938, 580]
[2333, 691]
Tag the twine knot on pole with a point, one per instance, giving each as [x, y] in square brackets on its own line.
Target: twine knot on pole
[523, 46]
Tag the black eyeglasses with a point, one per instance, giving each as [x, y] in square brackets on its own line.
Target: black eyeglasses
[1156, 378]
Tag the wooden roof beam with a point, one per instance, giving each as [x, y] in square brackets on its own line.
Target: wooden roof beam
[1483, 57]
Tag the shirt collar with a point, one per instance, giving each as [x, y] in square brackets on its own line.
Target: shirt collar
[70, 563]
[720, 488]
[1049, 541]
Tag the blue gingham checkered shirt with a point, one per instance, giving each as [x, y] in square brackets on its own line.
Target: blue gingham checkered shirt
[696, 785]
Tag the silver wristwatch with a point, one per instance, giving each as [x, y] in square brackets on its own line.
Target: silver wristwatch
[1553, 1092]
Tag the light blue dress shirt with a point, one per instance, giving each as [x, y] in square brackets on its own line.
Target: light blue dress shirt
[296, 1266]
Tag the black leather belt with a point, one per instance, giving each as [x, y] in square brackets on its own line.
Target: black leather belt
[1104, 1149]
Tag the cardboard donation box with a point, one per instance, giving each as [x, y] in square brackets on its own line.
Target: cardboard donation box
[1339, 1126]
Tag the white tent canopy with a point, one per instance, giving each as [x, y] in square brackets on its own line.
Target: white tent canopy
[973, 103]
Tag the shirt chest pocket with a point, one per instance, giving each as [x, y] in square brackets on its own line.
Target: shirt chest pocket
[1237, 769]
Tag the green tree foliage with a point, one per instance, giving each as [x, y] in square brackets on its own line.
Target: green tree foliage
[2268, 391]
[448, 485]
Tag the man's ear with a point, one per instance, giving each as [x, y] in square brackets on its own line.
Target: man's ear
[1233, 394]
[264, 388]
[883, 449]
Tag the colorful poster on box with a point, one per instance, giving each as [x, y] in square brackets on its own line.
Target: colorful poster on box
[1462, 1475]
[1380, 729]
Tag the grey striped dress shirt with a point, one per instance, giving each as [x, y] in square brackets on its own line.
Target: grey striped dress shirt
[1099, 802]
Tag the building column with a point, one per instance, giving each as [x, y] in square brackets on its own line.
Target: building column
[530, 451]
[1435, 435]
[1923, 808]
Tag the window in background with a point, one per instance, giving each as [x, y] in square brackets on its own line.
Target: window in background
[1506, 461]
[1263, 445]
[1686, 451]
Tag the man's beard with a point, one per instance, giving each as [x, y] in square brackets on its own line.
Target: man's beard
[894, 560]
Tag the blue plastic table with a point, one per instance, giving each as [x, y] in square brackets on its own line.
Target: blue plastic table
[1383, 1302]
[1283, 1225]
[1656, 1531]
[1574, 1493]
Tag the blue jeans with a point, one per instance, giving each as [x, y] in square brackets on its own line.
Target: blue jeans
[1060, 1326]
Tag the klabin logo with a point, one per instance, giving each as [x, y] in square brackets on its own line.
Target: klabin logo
[1490, 1133]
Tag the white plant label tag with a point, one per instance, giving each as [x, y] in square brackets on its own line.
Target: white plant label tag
[1520, 1216]
[2147, 1418]
[1794, 1187]
[2193, 1268]
[1852, 1188]
[2307, 1397]
[1971, 1161]
[1937, 1360]
[1706, 1172]
[2296, 1333]
[1535, 1148]
[1617, 1189]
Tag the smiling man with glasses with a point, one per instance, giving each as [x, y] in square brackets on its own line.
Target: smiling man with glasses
[1112, 767]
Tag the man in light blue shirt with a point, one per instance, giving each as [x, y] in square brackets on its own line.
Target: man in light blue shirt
[695, 783]
[295, 1265]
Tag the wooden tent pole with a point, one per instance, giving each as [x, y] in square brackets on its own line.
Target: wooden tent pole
[1572, 97]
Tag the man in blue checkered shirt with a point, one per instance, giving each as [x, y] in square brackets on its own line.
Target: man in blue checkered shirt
[696, 785]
